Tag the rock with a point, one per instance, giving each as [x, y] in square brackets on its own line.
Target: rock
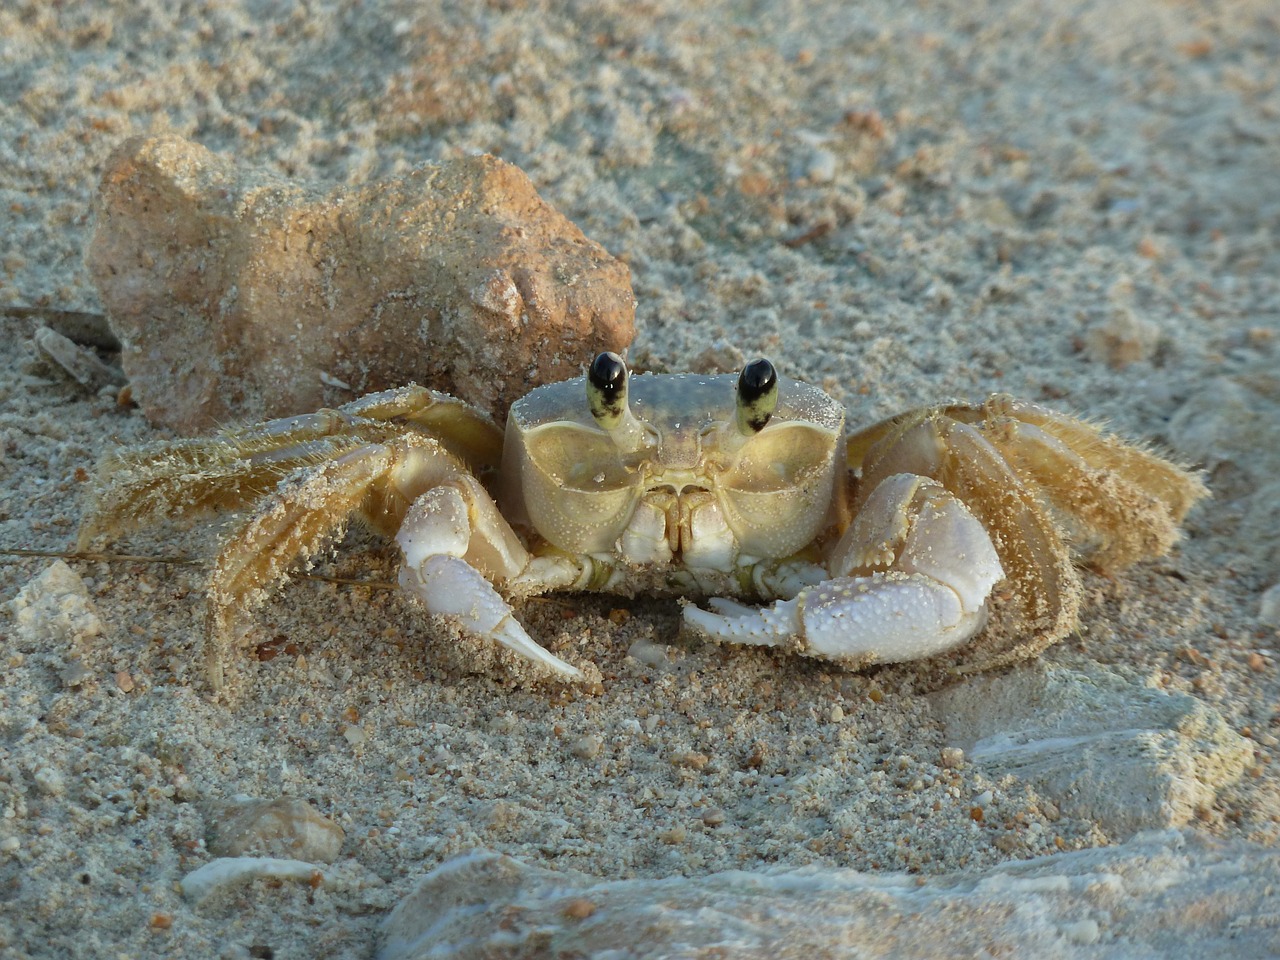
[1229, 419]
[1099, 746]
[1269, 606]
[239, 295]
[1123, 338]
[1161, 894]
[284, 827]
[53, 612]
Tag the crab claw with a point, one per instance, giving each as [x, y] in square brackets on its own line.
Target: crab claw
[937, 567]
[450, 587]
[886, 617]
[448, 531]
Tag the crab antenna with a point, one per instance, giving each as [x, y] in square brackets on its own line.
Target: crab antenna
[757, 396]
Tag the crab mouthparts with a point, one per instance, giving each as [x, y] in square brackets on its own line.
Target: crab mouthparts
[685, 511]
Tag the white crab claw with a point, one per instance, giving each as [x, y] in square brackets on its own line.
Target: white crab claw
[932, 600]
[886, 617]
[451, 587]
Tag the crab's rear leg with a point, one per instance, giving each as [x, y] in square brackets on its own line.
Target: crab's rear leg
[376, 481]
[190, 477]
[1118, 502]
[911, 577]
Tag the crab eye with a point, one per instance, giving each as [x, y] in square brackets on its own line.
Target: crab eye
[757, 395]
[607, 389]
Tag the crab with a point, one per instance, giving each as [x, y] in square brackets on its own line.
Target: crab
[886, 544]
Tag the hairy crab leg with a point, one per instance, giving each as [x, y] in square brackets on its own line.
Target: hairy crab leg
[376, 481]
[1173, 486]
[911, 580]
[230, 469]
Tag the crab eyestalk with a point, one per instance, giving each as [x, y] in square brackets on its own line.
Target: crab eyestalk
[607, 390]
[757, 396]
[607, 400]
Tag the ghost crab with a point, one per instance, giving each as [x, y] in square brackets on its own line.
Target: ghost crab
[882, 545]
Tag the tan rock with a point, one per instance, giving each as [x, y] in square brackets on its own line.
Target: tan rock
[239, 295]
[1162, 894]
[1098, 745]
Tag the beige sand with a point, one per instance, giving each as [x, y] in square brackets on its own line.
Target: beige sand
[1076, 204]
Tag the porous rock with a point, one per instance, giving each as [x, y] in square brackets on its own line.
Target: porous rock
[1161, 894]
[240, 295]
[286, 828]
[54, 612]
[1099, 745]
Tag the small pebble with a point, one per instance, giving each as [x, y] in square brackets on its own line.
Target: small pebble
[284, 827]
[74, 674]
[952, 757]
[1269, 606]
[822, 166]
[50, 781]
[713, 816]
[676, 834]
[647, 652]
[578, 908]
[837, 713]
[1082, 931]
[10, 845]
[586, 748]
[355, 735]
[692, 760]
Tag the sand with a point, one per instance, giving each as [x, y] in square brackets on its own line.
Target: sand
[1076, 204]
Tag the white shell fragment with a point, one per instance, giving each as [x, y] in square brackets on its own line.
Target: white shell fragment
[227, 872]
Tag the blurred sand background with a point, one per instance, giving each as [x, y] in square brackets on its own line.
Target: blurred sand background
[1075, 203]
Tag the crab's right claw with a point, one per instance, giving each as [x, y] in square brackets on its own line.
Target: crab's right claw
[447, 533]
[452, 588]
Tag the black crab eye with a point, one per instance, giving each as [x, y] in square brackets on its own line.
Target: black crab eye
[607, 389]
[757, 395]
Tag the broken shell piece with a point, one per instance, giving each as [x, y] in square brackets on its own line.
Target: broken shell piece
[79, 363]
[239, 295]
[283, 827]
[229, 872]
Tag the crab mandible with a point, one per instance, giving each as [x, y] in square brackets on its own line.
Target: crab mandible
[884, 545]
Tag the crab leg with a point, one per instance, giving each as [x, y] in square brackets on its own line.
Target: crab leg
[912, 577]
[455, 542]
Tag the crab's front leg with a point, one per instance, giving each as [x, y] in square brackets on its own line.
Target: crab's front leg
[455, 543]
[910, 579]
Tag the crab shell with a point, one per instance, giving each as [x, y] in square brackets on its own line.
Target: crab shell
[695, 489]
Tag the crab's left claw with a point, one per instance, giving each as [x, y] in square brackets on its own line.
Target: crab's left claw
[913, 576]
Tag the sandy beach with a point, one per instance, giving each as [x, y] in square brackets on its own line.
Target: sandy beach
[1073, 203]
